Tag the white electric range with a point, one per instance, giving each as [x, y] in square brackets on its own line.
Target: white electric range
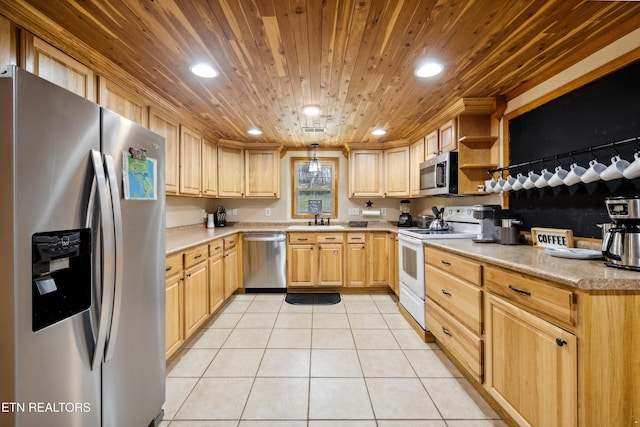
[462, 225]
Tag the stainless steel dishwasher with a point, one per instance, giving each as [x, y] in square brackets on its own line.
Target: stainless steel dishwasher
[265, 262]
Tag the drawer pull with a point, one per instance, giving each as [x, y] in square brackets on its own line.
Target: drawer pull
[447, 293]
[446, 331]
[560, 342]
[217, 248]
[520, 291]
[330, 238]
[357, 238]
[168, 268]
[302, 239]
[197, 256]
[445, 262]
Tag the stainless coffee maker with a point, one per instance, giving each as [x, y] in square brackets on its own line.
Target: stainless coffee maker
[621, 240]
[489, 216]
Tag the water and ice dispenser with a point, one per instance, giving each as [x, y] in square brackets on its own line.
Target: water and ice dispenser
[61, 275]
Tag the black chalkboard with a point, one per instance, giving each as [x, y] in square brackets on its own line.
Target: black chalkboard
[601, 112]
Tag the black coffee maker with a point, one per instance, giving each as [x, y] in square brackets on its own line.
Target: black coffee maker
[221, 217]
[405, 217]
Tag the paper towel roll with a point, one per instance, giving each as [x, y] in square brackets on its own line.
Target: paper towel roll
[371, 212]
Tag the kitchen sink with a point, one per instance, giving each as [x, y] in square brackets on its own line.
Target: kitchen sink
[316, 227]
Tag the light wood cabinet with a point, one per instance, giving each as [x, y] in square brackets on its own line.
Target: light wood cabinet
[216, 275]
[174, 314]
[196, 289]
[8, 44]
[416, 156]
[366, 173]
[262, 173]
[232, 277]
[209, 169]
[448, 140]
[531, 366]
[478, 151]
[315, 259]
[230, 172]
[378, 259]
[168, 128]
[397, 172]
[432, 144]
[190, 161]
[454, 307]
[394, 273]
[44, 60]
[356, 260]
[122, 101]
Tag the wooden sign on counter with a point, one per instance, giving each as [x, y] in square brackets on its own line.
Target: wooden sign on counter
[552, 237]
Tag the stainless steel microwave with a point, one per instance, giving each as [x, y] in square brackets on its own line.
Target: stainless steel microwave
[439, 175]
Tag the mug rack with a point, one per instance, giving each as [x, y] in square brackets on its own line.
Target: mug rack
[610, 145]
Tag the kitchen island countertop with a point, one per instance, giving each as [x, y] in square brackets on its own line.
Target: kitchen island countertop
[586, 275]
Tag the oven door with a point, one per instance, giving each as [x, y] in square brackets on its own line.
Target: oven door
[411, 263]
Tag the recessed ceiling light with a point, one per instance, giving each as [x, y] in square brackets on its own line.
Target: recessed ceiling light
[429, 69]
[255, 131]
[311, 110]
[204, 70]
[378, 132]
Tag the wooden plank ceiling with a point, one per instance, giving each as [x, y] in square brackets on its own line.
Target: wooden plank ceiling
[354, 58]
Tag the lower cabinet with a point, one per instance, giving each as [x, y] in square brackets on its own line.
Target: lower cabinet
[356, 260]
[174, 321]
[531, 366]
[315, 259]
[216, 275]
[196, 297]
[198, 281]
[231, 266]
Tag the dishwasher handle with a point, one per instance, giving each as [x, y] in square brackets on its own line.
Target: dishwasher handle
[264, 237]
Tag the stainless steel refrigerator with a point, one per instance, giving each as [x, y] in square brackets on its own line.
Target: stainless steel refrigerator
[82, 259]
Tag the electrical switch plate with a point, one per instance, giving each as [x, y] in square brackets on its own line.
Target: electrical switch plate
[234, 212]
[267, 211]
[383, 211]
[354, 211]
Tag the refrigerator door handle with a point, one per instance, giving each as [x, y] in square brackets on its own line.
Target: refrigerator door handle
[119, 253]
[107, 270]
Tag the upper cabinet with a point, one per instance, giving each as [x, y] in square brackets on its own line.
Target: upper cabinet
[190, 161]
[8, 44]
[51, 64]
[262, 173]
[168, 128]
[396, 161]
[209, 169]
[230, 172]
[119, 100]
[448, 141]
[416, 156]
[366, 173]
[432, 144]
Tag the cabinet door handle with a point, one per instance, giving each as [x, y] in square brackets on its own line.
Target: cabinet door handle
[168, 268]
[445, 262]
[446, 331]
[189, 275]
[520, 291]
[197, 256]
[447, 293]
[560, 342]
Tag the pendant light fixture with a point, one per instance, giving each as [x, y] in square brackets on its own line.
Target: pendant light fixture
[314, 163]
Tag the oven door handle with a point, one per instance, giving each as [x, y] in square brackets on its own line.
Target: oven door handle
[410, 240]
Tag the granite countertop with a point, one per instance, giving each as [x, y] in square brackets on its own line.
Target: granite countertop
[181, 238]
[586, 275]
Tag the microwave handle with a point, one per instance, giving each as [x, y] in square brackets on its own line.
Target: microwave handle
[440, 178]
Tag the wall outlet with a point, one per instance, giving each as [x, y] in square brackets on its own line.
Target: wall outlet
[234, 212]
[354, 211]
[267, 211]
[383, 211]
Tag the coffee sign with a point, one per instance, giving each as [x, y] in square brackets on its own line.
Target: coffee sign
[552, 237]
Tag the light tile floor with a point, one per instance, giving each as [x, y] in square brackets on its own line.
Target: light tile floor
[265, 363]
